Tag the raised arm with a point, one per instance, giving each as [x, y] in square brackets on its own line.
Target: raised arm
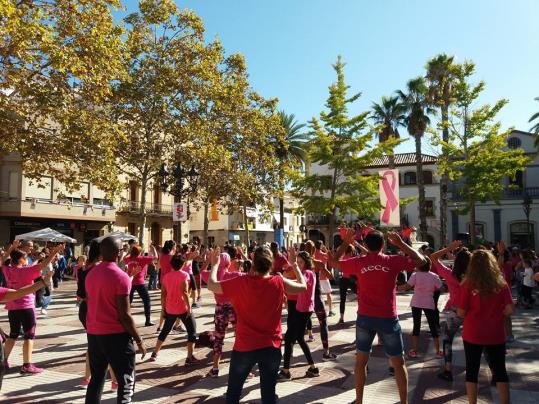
[213, 284]
[347, 240]
[12, 247]
[299, 285]
[43, 264]
[449, 249]
[12, 294]
[397, 241]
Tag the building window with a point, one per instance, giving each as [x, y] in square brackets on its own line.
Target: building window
[479, 230]
[14, 185]
[156, 194]
[518, 181]
[410, 178]
[132, 228]
[429, 208]
[521, 235]
[427, 177]
[132, 191]
[41, 189]
[155, 235]
[513, 142]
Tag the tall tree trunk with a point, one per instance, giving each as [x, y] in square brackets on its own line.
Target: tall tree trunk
[420, 189]
[444, 182]
[473, 239]
[205, 236]
[281, 203]
[391, 161]
[143, 188]
[333, 214]
[248, 242]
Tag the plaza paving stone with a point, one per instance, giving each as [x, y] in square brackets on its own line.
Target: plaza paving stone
[61, 343]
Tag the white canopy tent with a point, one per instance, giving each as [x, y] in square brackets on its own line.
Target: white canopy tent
[118, 234]
[46, 234]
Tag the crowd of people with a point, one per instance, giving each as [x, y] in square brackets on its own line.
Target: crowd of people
[252, 289]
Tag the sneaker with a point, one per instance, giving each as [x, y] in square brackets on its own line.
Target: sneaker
[511, 338]
[43, 312]
[331, 314]
[195, 306]
[158, 329]
[391, 371]
[114, 386]
[439, 355]
[341, 321]
[412, 354]
[30, 369]
[446, 375]
[311, 338]
[84, 383]
[312, 372]
[284, 376]
[213, 373]
[329, 356]
[153, 358]
[191, 361]
[199, 298]
[149, 323]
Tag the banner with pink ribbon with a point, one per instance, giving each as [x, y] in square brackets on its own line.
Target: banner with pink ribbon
[389, 198]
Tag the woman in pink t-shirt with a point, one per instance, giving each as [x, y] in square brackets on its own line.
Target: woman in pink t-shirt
[484, 302]
[425, 283]
[175, 305]
[138, 284]
[166, 254]
[298, 323]
[21, 311]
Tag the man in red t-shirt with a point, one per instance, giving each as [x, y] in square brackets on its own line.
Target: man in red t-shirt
[376, 275]
[109, 325]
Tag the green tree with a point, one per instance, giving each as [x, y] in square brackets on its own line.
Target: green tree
[535, 128]
[478, 157]
[58, 59]
[418, 107]
[389, 114]
[291, 153]
[169, 81]
[341, 145]
[440, 76]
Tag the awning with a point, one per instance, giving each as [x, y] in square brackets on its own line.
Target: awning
[119, 235]
[46, 234]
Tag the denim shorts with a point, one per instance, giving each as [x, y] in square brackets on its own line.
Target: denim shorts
[388, 329]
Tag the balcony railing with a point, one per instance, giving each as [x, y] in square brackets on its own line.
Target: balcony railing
[508, 193]
[151, 208]
[317, 220]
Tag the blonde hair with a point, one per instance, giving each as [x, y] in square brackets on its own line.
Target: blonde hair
[484, 274]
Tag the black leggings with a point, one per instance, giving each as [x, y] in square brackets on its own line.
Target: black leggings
[344, 285]
[320, 311]
[143, 293]
[432, 319]
[188, 321]
[296, 333]
[495, 356]
[22, 318]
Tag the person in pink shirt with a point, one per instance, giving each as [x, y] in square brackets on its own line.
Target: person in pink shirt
[377, 311]
[109, 325]
[298, 323]
[505, 264]
[175, 305]
[225, 314]
[258, 300]
[135, 259]
[21, 312]
[166, 254]
[453, 278]
[425, 283]
[484, 302]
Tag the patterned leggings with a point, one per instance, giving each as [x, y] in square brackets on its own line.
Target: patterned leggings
[449, 329]
[320, 311]
[224, 315]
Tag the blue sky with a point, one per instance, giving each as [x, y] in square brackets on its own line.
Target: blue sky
[290, 46]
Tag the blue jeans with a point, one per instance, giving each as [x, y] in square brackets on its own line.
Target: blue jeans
[241, 363]
[388, 329]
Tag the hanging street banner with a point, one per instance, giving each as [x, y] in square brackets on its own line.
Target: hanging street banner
[179, 214]
[389, 198]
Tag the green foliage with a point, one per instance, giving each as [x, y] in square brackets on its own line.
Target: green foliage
[343, 146]
[535, 128]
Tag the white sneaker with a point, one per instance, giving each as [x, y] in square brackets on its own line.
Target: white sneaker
[43, 312]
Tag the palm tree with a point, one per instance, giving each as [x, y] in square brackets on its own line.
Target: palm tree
[390, 113]
[535, 128]
[291, 152]
[418, 106]
[441, 75]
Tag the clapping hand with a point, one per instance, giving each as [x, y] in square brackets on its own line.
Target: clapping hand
[214, 256]
[395, 239]
[348, 235]
[454, 245]
[292, 255]
[500, 246]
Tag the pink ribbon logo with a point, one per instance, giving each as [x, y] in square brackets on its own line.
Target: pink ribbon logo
[389, 190]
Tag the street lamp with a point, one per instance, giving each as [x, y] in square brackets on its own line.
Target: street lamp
[526, 205]
[179, 188]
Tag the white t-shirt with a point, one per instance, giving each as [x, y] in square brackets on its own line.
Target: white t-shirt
[528, 278]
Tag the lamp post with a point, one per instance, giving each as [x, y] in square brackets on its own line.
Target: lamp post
[526, 206]
[179, 188]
